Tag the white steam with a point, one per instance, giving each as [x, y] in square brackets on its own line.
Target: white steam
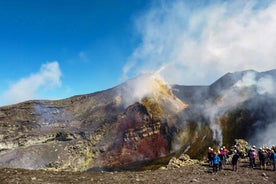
[198, 42]
[136, 89]
[264, 85]
[150, 86]
[266, 137]
[248, 86]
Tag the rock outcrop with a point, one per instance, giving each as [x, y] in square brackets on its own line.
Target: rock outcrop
[141, 137]
[182, 161]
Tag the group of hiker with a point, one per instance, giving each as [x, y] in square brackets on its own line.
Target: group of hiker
[218, 158]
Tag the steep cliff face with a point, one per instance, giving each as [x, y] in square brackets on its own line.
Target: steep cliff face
[139, 137]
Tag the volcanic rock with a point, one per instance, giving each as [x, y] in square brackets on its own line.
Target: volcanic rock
[182, 161]
[137, 124]
[242, 145]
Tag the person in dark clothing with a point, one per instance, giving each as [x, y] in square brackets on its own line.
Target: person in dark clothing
[221, 160]
[210, 156]
[260, 154]
[235, 160]
[235, 149]
[273, 147]
[263, 158]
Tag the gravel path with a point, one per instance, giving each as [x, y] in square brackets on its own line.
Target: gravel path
[189, 174]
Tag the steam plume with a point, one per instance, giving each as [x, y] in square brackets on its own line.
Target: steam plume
[198, 42]
[245, 88]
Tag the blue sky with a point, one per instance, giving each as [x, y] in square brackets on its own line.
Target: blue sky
[53, 49]
[90, 39]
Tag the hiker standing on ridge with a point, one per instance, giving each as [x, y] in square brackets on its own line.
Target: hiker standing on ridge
[235, 160]
[273, 159]
[235, 149]
[224, 153]
[263, 158]
[210, 155]
[252, 157]
[273, 147]
[216, 161]
[268, 152]
[221, 159]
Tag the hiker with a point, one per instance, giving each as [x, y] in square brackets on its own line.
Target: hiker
[210, 155]
[216, 161]
[268, 152]
[236, 150]
[225, 155]
[221, 159]
[263, 158]
[273, 159]
[273, 147]
[252, 157]
[259, 154]
[235, 160]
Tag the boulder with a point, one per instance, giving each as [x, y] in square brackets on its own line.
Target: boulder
[242, 145]
[182, 161]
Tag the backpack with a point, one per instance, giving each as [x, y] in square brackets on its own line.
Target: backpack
[254, 154]
[216, 159]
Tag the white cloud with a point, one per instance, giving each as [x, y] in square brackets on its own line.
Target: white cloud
[26, 88]
[198, 44]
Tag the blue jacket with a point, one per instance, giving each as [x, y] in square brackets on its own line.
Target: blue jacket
[216, 159]
[273, 156]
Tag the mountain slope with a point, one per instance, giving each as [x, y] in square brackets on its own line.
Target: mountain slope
[97, 130]
[142, 121]
[42, 134]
